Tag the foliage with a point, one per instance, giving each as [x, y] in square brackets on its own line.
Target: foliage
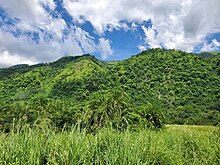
[137, 92]
[174, 145]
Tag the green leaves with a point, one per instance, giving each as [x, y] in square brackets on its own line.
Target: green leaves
[116, 93]
[106, 108]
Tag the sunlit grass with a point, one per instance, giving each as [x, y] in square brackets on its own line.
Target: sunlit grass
[192, 128]
[173, 145]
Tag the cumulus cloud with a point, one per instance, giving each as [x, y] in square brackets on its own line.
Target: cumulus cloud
[106, 14]
[105, 48]
[77, 42]
[32, 12]
[35, 36]
[179, 24]
[212, 46]
[7, 59]
[151, 37]
[216, 43]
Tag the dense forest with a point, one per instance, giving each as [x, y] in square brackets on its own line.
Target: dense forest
[154, 87]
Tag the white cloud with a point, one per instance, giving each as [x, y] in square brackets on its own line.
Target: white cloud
[142, 47]
[85, 41]
[32, 16]
[55, 27]
[216, 43]
[105, 48]
[7, 59]
[31, 12]
[106, 13]
[212, 46]
[76, 43]
[150, 34]
[179, 24]
[52, 42]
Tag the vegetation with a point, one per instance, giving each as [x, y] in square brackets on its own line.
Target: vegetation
[175, 145]
[141, 91]
[79, 110]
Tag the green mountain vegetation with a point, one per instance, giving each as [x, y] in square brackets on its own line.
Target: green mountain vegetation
[209, 54]
[154, 87]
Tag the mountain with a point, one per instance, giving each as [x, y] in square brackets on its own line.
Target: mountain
[209, 54]
[185, 86]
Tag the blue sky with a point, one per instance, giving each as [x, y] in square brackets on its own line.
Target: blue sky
[44, 30]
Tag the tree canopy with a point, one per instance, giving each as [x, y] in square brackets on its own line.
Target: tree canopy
[182, 87]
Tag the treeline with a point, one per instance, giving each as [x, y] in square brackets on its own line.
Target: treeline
[140, 91]
[109, 108]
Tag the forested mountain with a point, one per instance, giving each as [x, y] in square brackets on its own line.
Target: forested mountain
[184, 87]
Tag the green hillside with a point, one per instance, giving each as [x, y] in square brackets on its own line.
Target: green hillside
[187, 86]
[43, 80]
[184, 87]
[209, 54]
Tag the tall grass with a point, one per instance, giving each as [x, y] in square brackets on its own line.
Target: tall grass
[173, 145]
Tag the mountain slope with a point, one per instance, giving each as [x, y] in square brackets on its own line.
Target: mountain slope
[176, 79]
[185, 86]
[42, 80]
[170, 75]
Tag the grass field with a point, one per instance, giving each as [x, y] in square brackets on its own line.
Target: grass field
[175, 145]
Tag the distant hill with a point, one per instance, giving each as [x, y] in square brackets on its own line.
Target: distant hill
[209, 54]
[184, 85]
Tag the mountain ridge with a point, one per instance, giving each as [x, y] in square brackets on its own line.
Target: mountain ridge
[184, 85]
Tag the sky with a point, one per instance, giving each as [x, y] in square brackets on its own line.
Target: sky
[40, 31]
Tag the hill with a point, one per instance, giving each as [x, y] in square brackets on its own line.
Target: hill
[209, 54]
[184, 86]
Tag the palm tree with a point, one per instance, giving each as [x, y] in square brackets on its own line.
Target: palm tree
[107, 108]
